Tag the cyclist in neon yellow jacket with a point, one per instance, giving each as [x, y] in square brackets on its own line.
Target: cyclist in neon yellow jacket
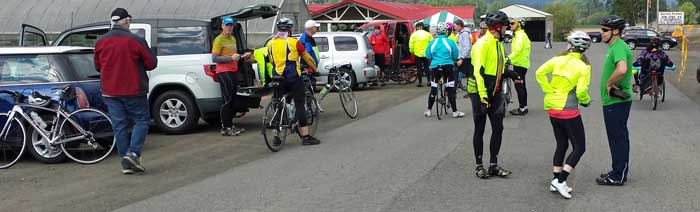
[416, 45]
[568, 88]
[264, 66]
[520, 58]
[489, 64]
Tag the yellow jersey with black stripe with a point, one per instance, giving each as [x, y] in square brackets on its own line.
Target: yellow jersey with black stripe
[285, 54]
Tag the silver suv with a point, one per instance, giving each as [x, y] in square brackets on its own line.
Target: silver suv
[181, 89]
[338, 48]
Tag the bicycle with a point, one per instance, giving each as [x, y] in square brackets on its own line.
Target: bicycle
[85, 135]
[506, 90]
[656, 89]
[461, 81]
[279, 116]
[442, 103]
[339, 79]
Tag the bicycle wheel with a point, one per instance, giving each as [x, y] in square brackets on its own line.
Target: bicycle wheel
[654, 93]
[440, 101]
[348, 101]
[97, 142]
[409, 75]
[507, 94]
[272, 130]
[12, 144]
[663, 90]
[312, 114]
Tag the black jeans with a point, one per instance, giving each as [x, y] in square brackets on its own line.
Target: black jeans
[449, 81]
[495, 114]
[229, 85]
[566, 130]
[423, 65]
[520, 87]
[380, 61]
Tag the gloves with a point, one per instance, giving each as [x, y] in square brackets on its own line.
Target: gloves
[485, 102]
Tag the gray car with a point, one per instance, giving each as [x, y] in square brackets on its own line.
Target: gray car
[338, 48]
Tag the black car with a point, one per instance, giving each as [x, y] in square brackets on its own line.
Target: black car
[640, 37]
[596, 37]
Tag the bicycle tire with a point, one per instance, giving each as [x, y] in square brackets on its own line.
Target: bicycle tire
[98, 125]
[271, 121]
[410, 75]
[654, 93]
[12, 145]
[663, 90]
[313, 114]
[439, 100]
[347, 99]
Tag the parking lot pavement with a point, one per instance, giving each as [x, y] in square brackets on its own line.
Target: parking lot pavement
[171, 161]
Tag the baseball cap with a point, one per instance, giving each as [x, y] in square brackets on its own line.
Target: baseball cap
[228, 20]
[119, 14]
[311, 24]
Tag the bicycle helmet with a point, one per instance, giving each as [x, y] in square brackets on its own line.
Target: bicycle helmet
[520, 21]
[483, 25]
[450, 26]
[441, 28]
[419, 24]
[655, 43]
[497, 19]
[285, 24]
[613, 22]
[579, 40]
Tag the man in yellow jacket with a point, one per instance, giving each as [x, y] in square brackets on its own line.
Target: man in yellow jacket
[489, 60]
[416, 45]
[571, 75]
[520, 58]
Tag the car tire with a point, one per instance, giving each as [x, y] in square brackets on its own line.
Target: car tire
[353, 78]
[167, 111]
[53, 156]
[632, 44]
[665, 46]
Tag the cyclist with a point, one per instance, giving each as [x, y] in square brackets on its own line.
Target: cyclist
[571, 75]
[616, 97]
[416, 45]
[652, 58]
[464, 63]
[451, 34]
[443, 53]
[488, 58]
[307, 39]
[224, 53]
[284, 52]
[520, 58]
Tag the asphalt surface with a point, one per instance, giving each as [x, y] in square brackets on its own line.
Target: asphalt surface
[390, 159]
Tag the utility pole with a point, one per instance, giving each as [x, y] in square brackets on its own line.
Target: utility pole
[647, 6]
[657, 15]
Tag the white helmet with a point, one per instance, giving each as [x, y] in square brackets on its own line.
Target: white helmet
[441, 28]
[579, 40]
[311, 24]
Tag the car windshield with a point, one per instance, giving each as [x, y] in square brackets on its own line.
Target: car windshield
[84, 66]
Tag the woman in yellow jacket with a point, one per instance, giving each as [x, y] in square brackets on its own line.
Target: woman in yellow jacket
[571, 75]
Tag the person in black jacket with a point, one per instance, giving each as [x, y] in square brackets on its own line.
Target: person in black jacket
[122, 58]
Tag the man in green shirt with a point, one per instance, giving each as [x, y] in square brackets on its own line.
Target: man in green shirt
[615, 93]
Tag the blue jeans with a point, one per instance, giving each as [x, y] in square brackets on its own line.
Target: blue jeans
[121, 109]
[615, 117]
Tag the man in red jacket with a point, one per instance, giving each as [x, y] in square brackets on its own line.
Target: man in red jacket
[380, 46]
[123, 58]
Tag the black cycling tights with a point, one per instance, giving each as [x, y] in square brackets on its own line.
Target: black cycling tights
[566, 130]
[520, 87]
[435, 76]
[495, 114]
[295, 87]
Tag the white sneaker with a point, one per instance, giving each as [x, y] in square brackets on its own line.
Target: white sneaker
[553, 189]
[457, 114]
[427, 113]
[562, 188]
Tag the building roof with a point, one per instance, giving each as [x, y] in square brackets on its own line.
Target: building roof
[518, 10]
[58, 15]
[402, 11]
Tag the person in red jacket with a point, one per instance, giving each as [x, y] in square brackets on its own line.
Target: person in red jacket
[122, 58]
[380, 46]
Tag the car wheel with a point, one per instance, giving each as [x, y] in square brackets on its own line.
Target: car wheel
[353, 78]
[39, 148]
[632, 45]
[175, 112]
[666, 46]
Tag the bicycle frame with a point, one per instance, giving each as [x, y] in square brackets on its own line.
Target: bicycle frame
[53, 138]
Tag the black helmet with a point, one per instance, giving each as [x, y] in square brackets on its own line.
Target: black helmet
[285, 24]
[497, 17]
[613, 22]
[655, 42]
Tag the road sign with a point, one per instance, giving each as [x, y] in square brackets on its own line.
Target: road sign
[671, 18]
